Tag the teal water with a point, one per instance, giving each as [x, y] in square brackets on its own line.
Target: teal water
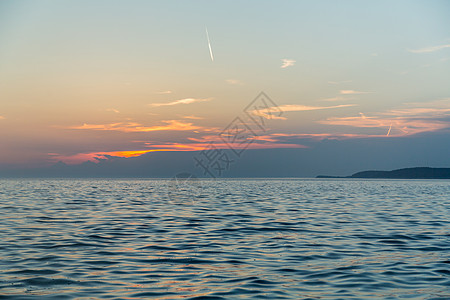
[226, 239]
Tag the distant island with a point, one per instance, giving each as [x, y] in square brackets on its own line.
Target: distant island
[407, 173]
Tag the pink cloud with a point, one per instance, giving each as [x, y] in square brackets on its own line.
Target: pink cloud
[182, 101]
[413, 119]
[267, 112]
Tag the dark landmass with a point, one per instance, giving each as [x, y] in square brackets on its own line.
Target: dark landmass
[408, 173]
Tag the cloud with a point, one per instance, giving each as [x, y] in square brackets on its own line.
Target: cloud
[198, 144]
[359, 121]
[319, 136]
[261, 141]
[193, 117]
[280, 140]
[234, 81]
[2, 117]
[412, 119]
[267, 112]
[296, 107]
[255, 145]
[173, 125]
[403, 126]
[287, 63]
[434, 109]
[95, 156]
[429, 49]
[164, 92]
[335, 99]
[113, 110]
[339, 82]
[182, 101]
[352, 92]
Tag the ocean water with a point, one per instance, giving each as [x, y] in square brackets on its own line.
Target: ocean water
[226, 239]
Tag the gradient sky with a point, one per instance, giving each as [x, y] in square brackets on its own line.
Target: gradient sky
[84, 79]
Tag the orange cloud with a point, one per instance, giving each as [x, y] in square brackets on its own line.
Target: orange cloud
[95, 156]
[193, 117]
[173, 125]
[196, 146]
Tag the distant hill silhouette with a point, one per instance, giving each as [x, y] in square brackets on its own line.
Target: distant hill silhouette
[408, 173]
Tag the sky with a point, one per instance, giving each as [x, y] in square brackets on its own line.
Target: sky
[94, 82]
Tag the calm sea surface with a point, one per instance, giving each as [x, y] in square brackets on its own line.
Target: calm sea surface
[228, 239]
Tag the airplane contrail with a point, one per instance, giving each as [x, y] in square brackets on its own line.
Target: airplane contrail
[209, 45]
[389, 131]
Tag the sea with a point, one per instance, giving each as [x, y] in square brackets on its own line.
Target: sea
[224, 239]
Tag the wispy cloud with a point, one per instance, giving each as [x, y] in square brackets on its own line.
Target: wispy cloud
[285, 140]
[287, 63]
[359, 121]
[164, 92]
[296, 107]
[402, 126]
[96, 156]
[191, 144]
[432, 110]
[182, 101]
[193, 117]
[429, 49]
[198, 146]
[339, 82]
[318, 136]
[233, 81]
[305, 138]
[335, 99]
[267, 112]
[2, 117]
[113, 110]
[173, 125]
[352, 92]
[409, 120]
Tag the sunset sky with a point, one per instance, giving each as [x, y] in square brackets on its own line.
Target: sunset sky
[83, 79]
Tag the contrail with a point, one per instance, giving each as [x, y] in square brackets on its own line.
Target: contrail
[389, 131]
[209, 45]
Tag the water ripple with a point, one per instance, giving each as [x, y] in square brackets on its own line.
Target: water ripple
[249, 239]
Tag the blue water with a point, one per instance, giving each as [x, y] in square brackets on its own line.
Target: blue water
[227, 239]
